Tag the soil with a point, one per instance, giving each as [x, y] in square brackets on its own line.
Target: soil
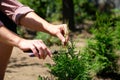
[23, 67]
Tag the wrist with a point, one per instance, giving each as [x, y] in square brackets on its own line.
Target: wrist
[18, 41]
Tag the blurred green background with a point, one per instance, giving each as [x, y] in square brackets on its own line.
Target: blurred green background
[75, 13]
[100, 21]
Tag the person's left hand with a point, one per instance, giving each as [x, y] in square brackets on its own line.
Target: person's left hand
[38, 48]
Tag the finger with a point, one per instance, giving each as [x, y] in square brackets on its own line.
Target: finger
[43, 48]
[66, 39]
[49, 53]
[46, 50]
[45, 54]
[39, 47]
[35, 52]
[66, 32]
[65, 29]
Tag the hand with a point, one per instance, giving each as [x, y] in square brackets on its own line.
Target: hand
[37, 46]
[60, 31]
[33, 21]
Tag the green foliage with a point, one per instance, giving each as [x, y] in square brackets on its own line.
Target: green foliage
[106, 42]
[48, 39]
[99, 55]
[116, 37]
[42, 78]
[49, 9]
[19, 31]
[84, 10]
[52, 9]
[38, 5]
[69, 66]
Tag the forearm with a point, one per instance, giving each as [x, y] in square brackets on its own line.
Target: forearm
[8, 37]
[33, 21]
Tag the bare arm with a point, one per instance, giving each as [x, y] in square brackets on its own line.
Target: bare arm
[37, 46]
[33, 21]
[26, 17]
[8, 37]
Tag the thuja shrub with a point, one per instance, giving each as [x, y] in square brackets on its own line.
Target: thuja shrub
[48, 39]
[97, 57]
[106, 43]
[69, 66]
[116, 35]
[101, 48]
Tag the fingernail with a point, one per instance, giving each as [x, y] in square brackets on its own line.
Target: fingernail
[51, 55]
[63, 41]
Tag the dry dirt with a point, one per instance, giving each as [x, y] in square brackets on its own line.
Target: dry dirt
[23, 67]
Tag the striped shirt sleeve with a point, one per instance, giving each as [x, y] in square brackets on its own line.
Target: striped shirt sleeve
[14, 9]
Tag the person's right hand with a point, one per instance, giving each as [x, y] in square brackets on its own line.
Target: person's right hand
[60, 31]
[36, 46]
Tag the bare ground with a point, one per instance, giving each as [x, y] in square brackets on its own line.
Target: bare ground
[22, 67]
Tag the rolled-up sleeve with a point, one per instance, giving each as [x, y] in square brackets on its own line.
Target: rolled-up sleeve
[14, 9]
